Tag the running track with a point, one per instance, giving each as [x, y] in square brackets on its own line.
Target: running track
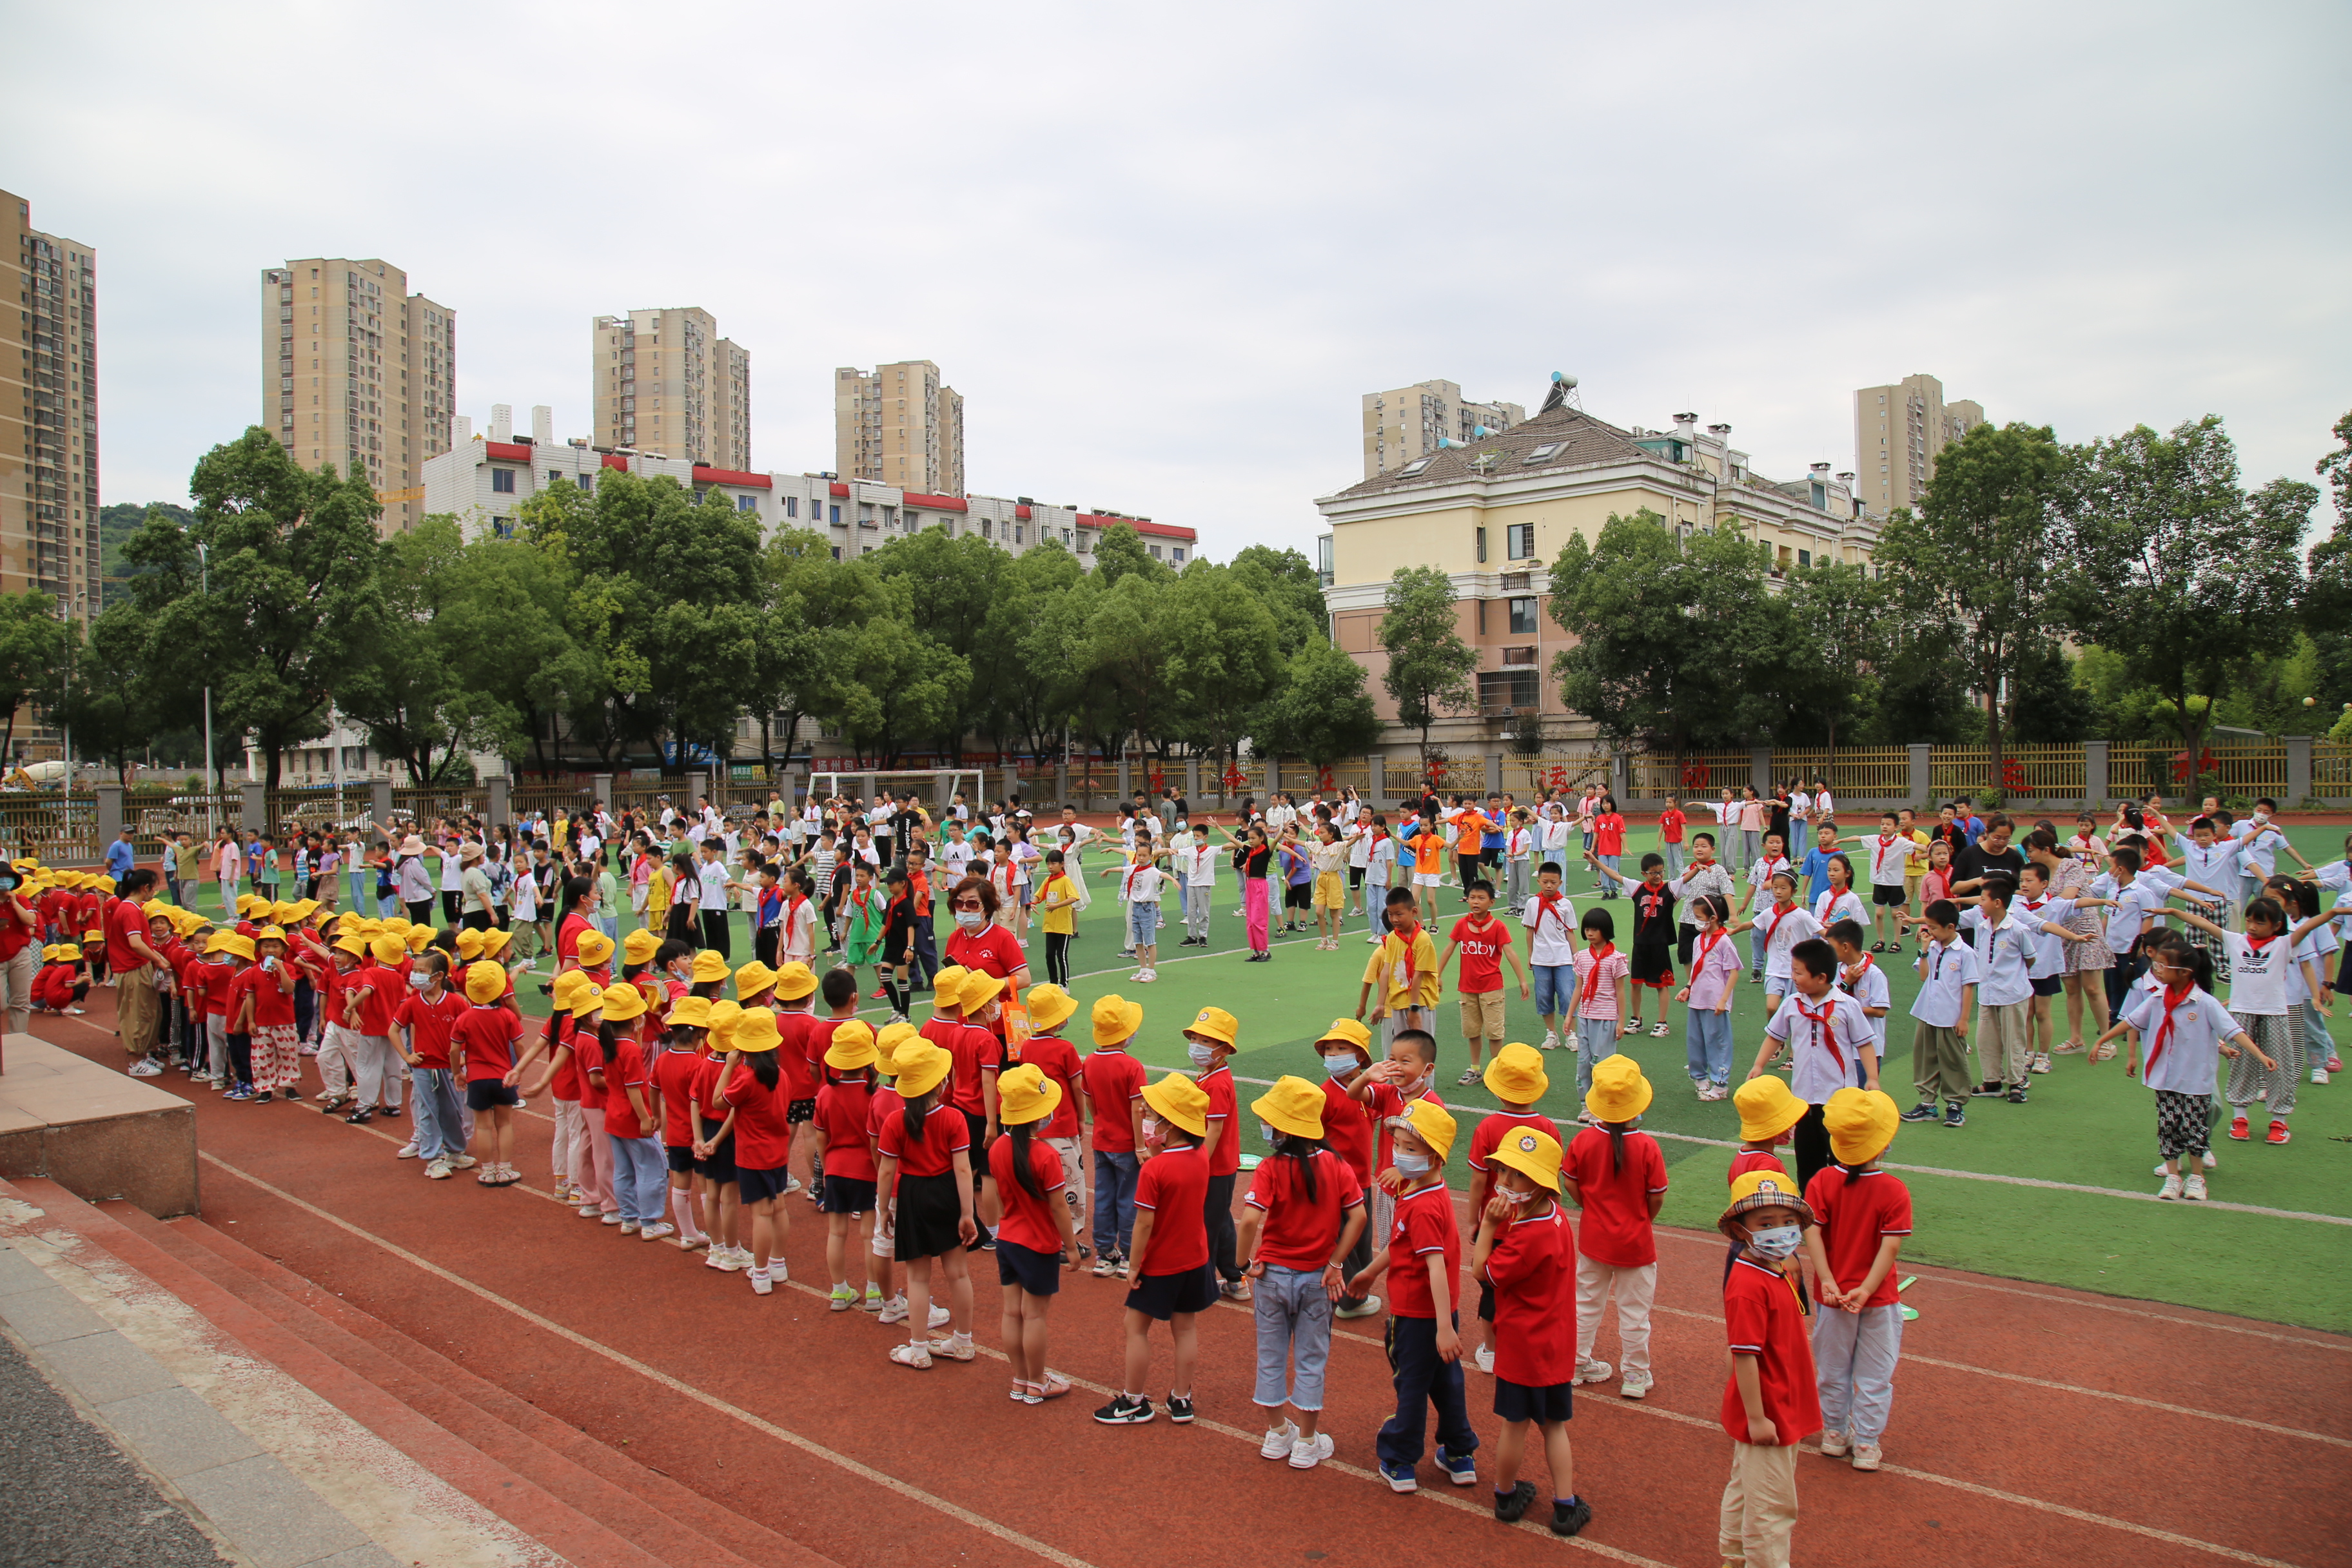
[2032, 1424]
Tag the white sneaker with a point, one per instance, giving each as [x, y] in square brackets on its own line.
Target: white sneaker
[406, 1150]
[2193, 1189]
[791, 1185]
[1310, 1452]
[2038, 1062]
[1593, 1372]
[1635, 1386]
[940, 1316]
[894, 1310]
[762, 1285]
[1279, 1441]
[1484, 1358]
[1550, 1040]
[146, 1067]
[656, 1230]
[1835, 1445]
[2171, 1188]
[2319, 1075]
[439, 1171]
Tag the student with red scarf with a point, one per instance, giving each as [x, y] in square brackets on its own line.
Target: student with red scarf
[2185, 1031]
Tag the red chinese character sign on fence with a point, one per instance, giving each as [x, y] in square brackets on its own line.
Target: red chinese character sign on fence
[1234, 779]
[1556, 779]
[2013, 775]
[2185, 772]
[1324, 783]
[1694, 777]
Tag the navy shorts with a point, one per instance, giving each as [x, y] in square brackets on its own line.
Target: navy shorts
[2048, 985]
[1892, 896]
[720, 1166]
[681, 1158]
[1517, 1402]
[1039, 1273]
[1162, 1296]
[846, 1195]
[483, 1093]
[758, 1186]
[1486, 1300]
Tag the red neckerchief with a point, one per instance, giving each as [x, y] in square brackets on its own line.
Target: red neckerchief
[1600, 955]
[1824, 1036]
[1848, 985]
[2260, 942]
[1779, 915]
[1706, 940]
[2032, 906]
[1548, 904]
[2173, 995]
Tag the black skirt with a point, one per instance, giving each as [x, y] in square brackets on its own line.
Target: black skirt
[929, 1217]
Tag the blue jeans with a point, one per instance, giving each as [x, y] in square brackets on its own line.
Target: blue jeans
[1673, 853]
[438, 1133]
[1609, 885]
[640, 1179]
[1115, 1178]
[1707, 1038]
[1294, 1337]
[388, 906]
[1424, 1379]
[1554, 988]
[1595, 1039]
[1143, 923]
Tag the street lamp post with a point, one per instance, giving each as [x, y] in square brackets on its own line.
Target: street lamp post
[212, 783]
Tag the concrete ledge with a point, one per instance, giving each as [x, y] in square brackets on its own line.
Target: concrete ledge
[94, 1131]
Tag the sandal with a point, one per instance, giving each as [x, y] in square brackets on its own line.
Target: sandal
[1052, 1385]
[1026, 1393]
[489, 1178]
[948, 1346]
[909, 1354]
[2103, 1053]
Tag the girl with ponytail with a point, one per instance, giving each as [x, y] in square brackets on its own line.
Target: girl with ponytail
[1037, 1234]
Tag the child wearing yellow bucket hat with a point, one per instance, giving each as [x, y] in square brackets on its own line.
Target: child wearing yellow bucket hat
[924, 1165]
[1861, 1214]
[1169, 1276]
[753, 1090]
[1516, 1076]
[1050, 1009]
[676, 1065]
[1421, 1260]
[1346, 1049]
[1036, 1235]
[1617, 1177]
[1769, 1401]
[713, 1147]
[424, 1021]
[1525, 1258]
[844, 1123]
[890, 1274]
[1303, 1215]
[1209, 1042]
[1114, 1084]
[488, 1037]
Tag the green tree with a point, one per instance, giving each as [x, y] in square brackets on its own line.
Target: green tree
[1025, 703]
[116, 524]
[2048, 705]
[1969, 569]
[1320, 710]
[1121, 553]
[2172, 565]
[1290, 588]
[111, 701]
[2326, 607]
[1839, 612]
[294, 565]
[1430, 666]
[33, 642]
[1223, 652]
[893, 683]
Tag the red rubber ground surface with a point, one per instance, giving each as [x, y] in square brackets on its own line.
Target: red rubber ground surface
[2032, 1424]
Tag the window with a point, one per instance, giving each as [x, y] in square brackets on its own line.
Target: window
[833, 516]
[502, 527]
[1523, 617]
[1176, 552]
[1481, 617]
[1482, 545]
[1519, 541]
[747, 503]
[1509, 690]
[987, 528]
[1019, 533]
[502, 481]
[1518, 655]
[792, 509]
[1155, 552]
[1412, 467]
[1540, 453]
[1804, 558]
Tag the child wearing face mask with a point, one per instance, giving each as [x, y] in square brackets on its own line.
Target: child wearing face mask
[423, 1020]
[1386, 1089]
[1346, 1049]
[1209, 1042]
[1525, 1258]
[1770, 1402]
[1516, 1078]
[1617, 1177]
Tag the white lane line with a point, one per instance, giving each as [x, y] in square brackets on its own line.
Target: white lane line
[757, 1423]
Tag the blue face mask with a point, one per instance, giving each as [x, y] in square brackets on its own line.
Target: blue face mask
[1776, 1242]
[1412, 1164]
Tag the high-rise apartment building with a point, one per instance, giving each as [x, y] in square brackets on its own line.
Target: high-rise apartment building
[665, 381]
[1406, 424]
[48, 416]
[1897, 432]
[357, 370]
[899, 426]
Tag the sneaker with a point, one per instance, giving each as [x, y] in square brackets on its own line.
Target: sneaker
[264, 1097]
[1179, 1411]
[2319, 1075]
[2278, 1133]
[1235, 1289]
[2017, 1094]
[2171, 1188]
[1462, 1469]
[463, 1161]
[1835, 1445]
[1635, 1386]
[1106, 1268]
[1955, 1114]
[656, 1230]
[762, 1283]
[628, 1228]
[439, 1171]
[614, 1218]
[2239, 1131]
[2038, 1062]
[894, 1310]
[1369, 1307]
[1279, 1441]
[1469, 1075]
[1483, 1358]
[1567, 1518]
[144, 1067]
[1126, 1410]
[1512, 1505]
[1865, 1455]
[1592, 1371]
[2193, 1187]
[1400, 1478]
[1310, 1452]
[2335, 1062]
[940, 1316]
[791, 1185]
[1550, 1040]
[1658, 1030]
[1923, 1112]
[406, 1150]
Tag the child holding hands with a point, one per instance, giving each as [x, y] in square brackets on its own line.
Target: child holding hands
[1526, 1253]
[1862, 1215]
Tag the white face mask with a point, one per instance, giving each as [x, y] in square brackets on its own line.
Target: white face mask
[1776, 1242]
[1512, 1198]
[1342, 1065]
[419, 982]
[1202, 1056]
[1265, 1130]
[1412, 1164]
[971, 920]
[1151, 1127]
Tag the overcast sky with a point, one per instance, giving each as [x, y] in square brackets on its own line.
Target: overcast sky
[1162, 251]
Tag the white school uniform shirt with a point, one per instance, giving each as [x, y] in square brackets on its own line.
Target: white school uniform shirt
[1826, 1040]
[2184, 1055]
[1890, 859]
[2260, 846]
[1141, 884]
[1945, 970]
[1834, 906]
[800, 930]
[1359, 846]
[1200, 864]
[2004, 957]
[2213, 867]
[1869, 989]
[1550, 925]
[1821, 806]
[1767, 867]
[2257, 973]
[1783, 931]
[2089, 846]
[710, 880]
[1516, 843]
[2313, 949]
[2048, 949]
[2140, 898]
[1380, 861]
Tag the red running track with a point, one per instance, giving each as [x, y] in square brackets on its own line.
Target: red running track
[2032, 1424]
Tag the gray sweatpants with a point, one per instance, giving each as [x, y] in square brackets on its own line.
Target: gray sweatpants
[2250, 1081]
[1853, 1359]
[1294, 1337]
[377, 1068]
[1196, 913]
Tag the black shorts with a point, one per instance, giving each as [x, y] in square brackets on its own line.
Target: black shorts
[1039, 1273]
[1355, 876]
[681, 1158]
[2048, 985]
[482, 1093]
[758, 1186]
[1652, 965]
[1894, 898]
[1299, 896]
[1517, 1402]
[720, 1166]
[801, 1111]
[928, 1216]
[1162, 1296]
[1486, 1300]
[846, 1195]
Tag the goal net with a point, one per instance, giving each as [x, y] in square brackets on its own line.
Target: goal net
[934, 787]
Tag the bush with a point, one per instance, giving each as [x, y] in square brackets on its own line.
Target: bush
[1991, 799]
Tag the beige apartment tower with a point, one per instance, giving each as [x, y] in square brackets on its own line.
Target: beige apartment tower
[899, 426]
[667, 383]
[49, 417]
[1897, 432]
[357, 370]
[1406, 424]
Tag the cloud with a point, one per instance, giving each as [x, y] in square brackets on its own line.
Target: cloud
[1162, 252]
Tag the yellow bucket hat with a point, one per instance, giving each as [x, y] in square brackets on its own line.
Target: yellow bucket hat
[752, 979]
[1766, 1108]
[1177, 1100]
[755, 1032]
[470, 948]
[640, 945]
[419, 938]
[885, 1049]
[388, 948]
[567, 985]
[1517, 1075]
[1115, 1019]
[1050, 1007]
[485, 984]
[794, 981]
[269, 933]
[494, 942]
[946, 985]
[354, 945]
[1350, 1032]
[1860, 1124]
[595, 947]
[724, 1014]
[1025, 1094]
[1535, 1155]
[282, 914]
[922, 1066]
[708, 966]
[1294, 1106]
[1429, 1121]
[1619, 1092]
[586, 997]
[305, 907]
[690, 1012]
[853, 1047]
[978, 990]
[1215, 1024]
[623, 1002]
[1762, 1189]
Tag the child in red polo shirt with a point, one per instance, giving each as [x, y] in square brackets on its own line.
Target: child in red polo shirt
[674, 1072]
[1036, 1236]
[1114, 1083]
[1863, 1214]
[1169, 1276]
[1347, 1050]
[1209, 1041]
[1525, 1255]
[1617, 1177]
[1770, 1402]
[843, 1122]
[1422, 1259]
[1516, 1078]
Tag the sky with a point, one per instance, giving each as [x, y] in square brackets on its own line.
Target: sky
[1162, 252]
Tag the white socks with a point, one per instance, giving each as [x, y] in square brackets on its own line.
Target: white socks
[681, 1205]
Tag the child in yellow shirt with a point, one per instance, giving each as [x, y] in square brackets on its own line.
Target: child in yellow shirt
[1405, 967]
[1058, 908]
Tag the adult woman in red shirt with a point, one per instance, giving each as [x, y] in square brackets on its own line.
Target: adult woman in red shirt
[17, 958]
[923, 1160]
[978, 942]
[755, 1092]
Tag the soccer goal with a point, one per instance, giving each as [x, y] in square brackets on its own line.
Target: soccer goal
[935, 787]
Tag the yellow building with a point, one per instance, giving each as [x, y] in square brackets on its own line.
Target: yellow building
[1493, 514]
[1899, 429]
[666, 382]
[901, 425]
[48, 417]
